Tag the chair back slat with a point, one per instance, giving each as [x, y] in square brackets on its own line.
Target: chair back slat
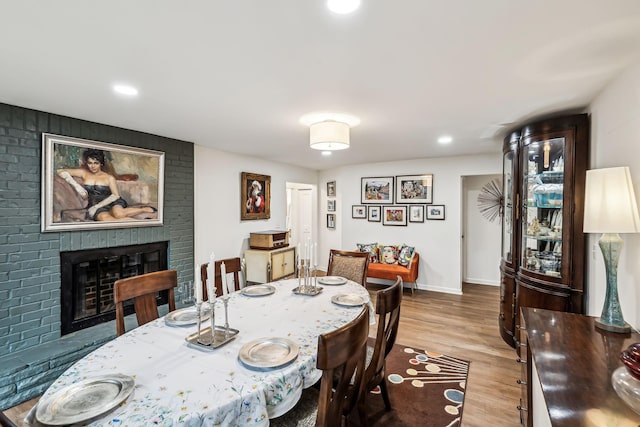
[231, 265]
[142, 289]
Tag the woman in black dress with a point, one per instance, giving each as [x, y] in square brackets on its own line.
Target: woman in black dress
[99, 187]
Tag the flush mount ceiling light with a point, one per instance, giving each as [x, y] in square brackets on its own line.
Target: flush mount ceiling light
[329, 131]
[343, 6]
[445, 139]
[125, 89]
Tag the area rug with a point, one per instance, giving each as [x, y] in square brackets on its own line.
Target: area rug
[426, 389]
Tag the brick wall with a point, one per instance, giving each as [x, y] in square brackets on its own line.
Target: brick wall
[29, 259]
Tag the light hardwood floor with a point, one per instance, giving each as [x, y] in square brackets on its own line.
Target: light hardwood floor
[464, 326]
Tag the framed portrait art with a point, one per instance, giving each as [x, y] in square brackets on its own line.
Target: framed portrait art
[358, 211]
[373, 214]
[377, 190]
[331, 221]
[416, 213]
[331, 205]
[95, 185]
[435, 212]
[394, 215]
[256, 196]
[331, 189]
[414, 189]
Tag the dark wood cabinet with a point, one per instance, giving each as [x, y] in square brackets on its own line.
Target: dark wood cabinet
[543, 253]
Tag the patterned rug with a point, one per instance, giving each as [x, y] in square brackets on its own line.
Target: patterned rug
[426, 389]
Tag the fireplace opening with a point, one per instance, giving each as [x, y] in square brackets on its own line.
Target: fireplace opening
[88, 276]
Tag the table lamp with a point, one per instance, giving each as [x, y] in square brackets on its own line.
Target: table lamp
[610, 208]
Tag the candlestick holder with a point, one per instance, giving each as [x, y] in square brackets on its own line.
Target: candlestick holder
[212, 336]
[199, 317]
[225, 300]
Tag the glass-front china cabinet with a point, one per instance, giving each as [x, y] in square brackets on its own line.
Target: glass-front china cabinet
[543, 254]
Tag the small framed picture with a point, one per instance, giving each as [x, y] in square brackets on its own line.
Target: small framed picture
[435, 212]
[331, 189]
[331, 221]
[394, 215]
[373, 213]
[376, 190]
[416, 213]
[331, 205]
[358, 211]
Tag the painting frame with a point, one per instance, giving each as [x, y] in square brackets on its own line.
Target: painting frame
[436, 212]
[394, 215]
[373, 214]
[376, 190]
[414, 189]
[331, 189]
[416, 213]
[331, 221]
[255, 196]
[358, 211]
[137, 173]
[331, 205]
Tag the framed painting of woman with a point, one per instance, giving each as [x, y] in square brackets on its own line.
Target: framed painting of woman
[94, 185]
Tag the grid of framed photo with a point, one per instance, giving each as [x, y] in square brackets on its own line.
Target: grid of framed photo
[412, 195]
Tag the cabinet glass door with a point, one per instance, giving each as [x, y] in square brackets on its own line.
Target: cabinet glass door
[507, 208]
[543, 178]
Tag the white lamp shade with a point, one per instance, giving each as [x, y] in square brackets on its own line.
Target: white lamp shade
[329, 135]
[610, 202]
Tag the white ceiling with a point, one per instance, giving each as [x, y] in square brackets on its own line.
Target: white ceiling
[238, 74]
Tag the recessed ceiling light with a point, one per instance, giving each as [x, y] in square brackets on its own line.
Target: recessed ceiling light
[125, 90]
[445, 139]
[326, 153]
[343, 6]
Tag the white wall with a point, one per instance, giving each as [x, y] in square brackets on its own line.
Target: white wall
[482, 238]
[615, 138]
[438, 242]
[217, 200]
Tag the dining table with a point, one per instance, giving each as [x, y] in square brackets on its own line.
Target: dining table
[178, 383]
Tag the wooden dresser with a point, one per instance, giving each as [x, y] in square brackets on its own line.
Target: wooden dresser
[573, 361]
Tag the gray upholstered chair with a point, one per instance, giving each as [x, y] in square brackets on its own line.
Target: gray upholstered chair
[350, 265]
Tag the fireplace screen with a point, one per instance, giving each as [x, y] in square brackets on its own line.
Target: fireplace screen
[88, 277]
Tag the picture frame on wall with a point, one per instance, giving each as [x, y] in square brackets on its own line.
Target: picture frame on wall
[435, 212]
[331, 221]
[414, 188]
[255, 196]
[331, 205]
[394, 215]
[96, 185]
[373, 214]
[376, 190]
[358, 211]
[331, 189]
[416, 213]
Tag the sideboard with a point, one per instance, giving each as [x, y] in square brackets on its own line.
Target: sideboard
[566, 371]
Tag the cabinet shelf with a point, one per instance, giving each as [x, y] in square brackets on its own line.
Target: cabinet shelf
[535, 206]
[544, 238]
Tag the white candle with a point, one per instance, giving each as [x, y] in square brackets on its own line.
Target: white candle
[197, 284]
[223, 277]
[315, 253]
[308, 250]
[211, 278]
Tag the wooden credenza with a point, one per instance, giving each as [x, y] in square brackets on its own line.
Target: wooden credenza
[566, 371]
[264, 266]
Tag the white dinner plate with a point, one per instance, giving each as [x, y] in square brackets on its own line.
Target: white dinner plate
[348, 300]
[84, 400]
[268, 353]
[332, 280]
[258, 290]
[187, 316]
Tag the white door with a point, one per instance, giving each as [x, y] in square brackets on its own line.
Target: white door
[300, 213]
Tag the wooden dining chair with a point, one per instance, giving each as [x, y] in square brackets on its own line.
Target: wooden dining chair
[388, 302]
[143, 289]
[231, 265]
[341, 357]
[350, 265]
[5, 421]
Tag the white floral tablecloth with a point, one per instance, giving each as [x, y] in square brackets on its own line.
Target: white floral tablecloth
[178, 385]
